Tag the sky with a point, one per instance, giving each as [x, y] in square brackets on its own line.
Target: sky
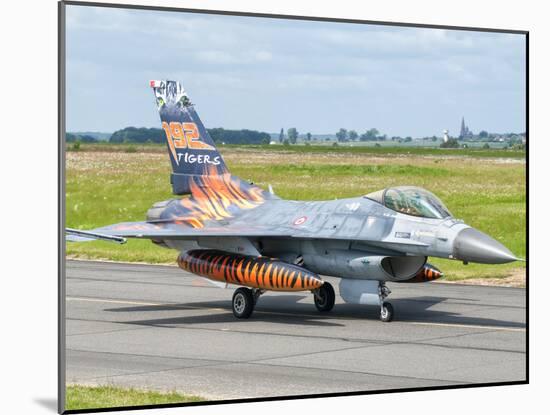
[267, 74]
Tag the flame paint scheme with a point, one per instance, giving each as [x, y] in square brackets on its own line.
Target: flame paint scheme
[234, 232]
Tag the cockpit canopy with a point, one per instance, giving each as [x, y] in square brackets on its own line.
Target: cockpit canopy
[410, 200]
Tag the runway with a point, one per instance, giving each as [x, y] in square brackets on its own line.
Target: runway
[158, 327]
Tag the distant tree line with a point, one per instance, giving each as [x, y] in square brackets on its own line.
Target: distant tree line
[342, 135]
[450, 143]
[484, 135]
[244, 136]
[219, 135]
[291, 136]
[138, 135]
[372, 134]
[72, 138]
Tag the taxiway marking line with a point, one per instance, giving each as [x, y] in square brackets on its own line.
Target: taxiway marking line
[421, 323]
[469, 326]
[102, 300]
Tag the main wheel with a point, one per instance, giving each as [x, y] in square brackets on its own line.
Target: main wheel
[386, 312]
[243, 303]
[324, 298]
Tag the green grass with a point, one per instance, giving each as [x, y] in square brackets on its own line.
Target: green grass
[115, 186]
[93, 397]
[342, 170]
[391, 150]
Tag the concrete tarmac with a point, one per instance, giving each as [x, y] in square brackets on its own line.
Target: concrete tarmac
[158, 327]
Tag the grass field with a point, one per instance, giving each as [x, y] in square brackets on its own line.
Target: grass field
[92, 397]
[343, 148]
[487, 188]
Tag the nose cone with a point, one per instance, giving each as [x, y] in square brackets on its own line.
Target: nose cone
[474, 246]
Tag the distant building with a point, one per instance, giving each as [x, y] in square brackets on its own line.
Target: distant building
[446, 135]
[465, 132]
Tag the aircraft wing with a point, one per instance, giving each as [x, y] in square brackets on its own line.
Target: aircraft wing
[167, 230]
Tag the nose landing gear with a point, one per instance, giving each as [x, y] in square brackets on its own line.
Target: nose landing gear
[386, 309]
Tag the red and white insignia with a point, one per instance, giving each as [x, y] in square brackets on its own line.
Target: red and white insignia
[300, 221]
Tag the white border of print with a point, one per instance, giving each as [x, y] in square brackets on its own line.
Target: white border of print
[29, 272]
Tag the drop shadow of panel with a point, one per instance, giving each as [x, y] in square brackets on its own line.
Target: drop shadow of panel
[48, 403]
[282, 309]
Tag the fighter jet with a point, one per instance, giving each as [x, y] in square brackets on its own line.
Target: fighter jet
[235, 233]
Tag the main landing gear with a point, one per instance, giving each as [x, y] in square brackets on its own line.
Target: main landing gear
[324, 297]
[244, 300]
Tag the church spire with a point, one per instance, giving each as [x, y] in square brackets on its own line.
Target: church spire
[463, 130]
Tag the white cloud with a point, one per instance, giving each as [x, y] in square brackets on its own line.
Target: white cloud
[263, 56]
[325, 83]
[216, 56]
[234, 57]
[290, 67]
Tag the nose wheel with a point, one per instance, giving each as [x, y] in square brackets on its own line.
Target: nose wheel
[386, 309]
[386, 312]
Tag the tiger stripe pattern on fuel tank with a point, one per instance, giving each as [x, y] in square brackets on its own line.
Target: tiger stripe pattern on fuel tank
[426, 274]
[256, 272]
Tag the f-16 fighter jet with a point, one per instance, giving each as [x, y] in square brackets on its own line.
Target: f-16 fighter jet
[236, 233]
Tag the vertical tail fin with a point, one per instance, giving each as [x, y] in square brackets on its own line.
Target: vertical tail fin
[192, 150]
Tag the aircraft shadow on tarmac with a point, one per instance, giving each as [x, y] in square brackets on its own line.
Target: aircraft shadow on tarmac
[418, 309]
[287, 309]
